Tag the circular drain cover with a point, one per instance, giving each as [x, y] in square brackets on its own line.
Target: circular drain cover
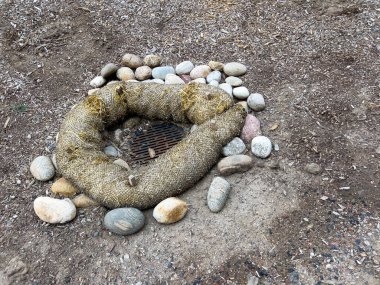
[148, 144]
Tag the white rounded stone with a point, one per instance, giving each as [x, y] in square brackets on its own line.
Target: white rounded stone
[234, 81]
[199, 80]
[214, 75]
[226, 87]
[261, 146]
[240, 92]
[54, 211]
[173, 79]
[214, 83]
[234, 69]
[256, 102]
[200, 71]
[111, 151]
[184, 67]
[42, 168]
[236, 146]
[217, 194]
[98, 81]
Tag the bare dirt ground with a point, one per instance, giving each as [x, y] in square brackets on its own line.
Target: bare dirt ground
[316, 62]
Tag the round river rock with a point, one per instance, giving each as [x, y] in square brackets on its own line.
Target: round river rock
[124, 221]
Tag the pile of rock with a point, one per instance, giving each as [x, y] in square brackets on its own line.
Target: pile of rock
[125, 221]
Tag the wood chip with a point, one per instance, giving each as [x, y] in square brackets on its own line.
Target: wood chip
[274, 126]
[6, 122]
[152, 153]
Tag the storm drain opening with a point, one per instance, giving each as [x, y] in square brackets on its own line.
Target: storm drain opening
[148, 144]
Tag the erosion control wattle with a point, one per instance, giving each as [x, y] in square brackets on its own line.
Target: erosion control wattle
[80, 156]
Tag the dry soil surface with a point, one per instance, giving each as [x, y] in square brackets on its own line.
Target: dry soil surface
[316, 62]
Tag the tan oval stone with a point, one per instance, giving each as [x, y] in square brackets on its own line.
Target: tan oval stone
[83, 201]
[152, 60]
[235, 163]
[200, 71]
[125, 73]
[170, 210]
[131, 60]
[64, 188]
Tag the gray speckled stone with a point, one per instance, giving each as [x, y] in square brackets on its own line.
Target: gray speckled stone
[261, 146]
[152, 60]
[313, 168]
[42, 168]
[234, 69]
[217, 194]
[236, 146]
[234, 81]
[124, 221]
[256, 102]
[234, 163]
[161, 72]
[108, 70]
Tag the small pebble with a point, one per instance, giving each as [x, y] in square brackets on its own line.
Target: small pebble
[170, 210]
[214, 76]
[131, 60]
[250, 129]
[184, 67]
[122, 163]
[161, 72]
[108, 70]
[236, 146]
[92, 91]
[199, 80]
[235, 163]
[200, 71]
[256, 102]
[234, 81]
[173, 79]
[217, 194]
[234, 69]
[125, 73]
[143, 72]
[240, 92]
[378, 150]
[313, 168]
[261, 146]
[111, 151]
[124, 221]
[152, 60]
[64, 188]
[214, 83]
[276, 147]
[226, 87]
[98, 81]
[83, 201]
[42, 168]
[54, 211]
[216, 65]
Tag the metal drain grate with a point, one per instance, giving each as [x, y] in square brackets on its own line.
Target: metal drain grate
[159, 137]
